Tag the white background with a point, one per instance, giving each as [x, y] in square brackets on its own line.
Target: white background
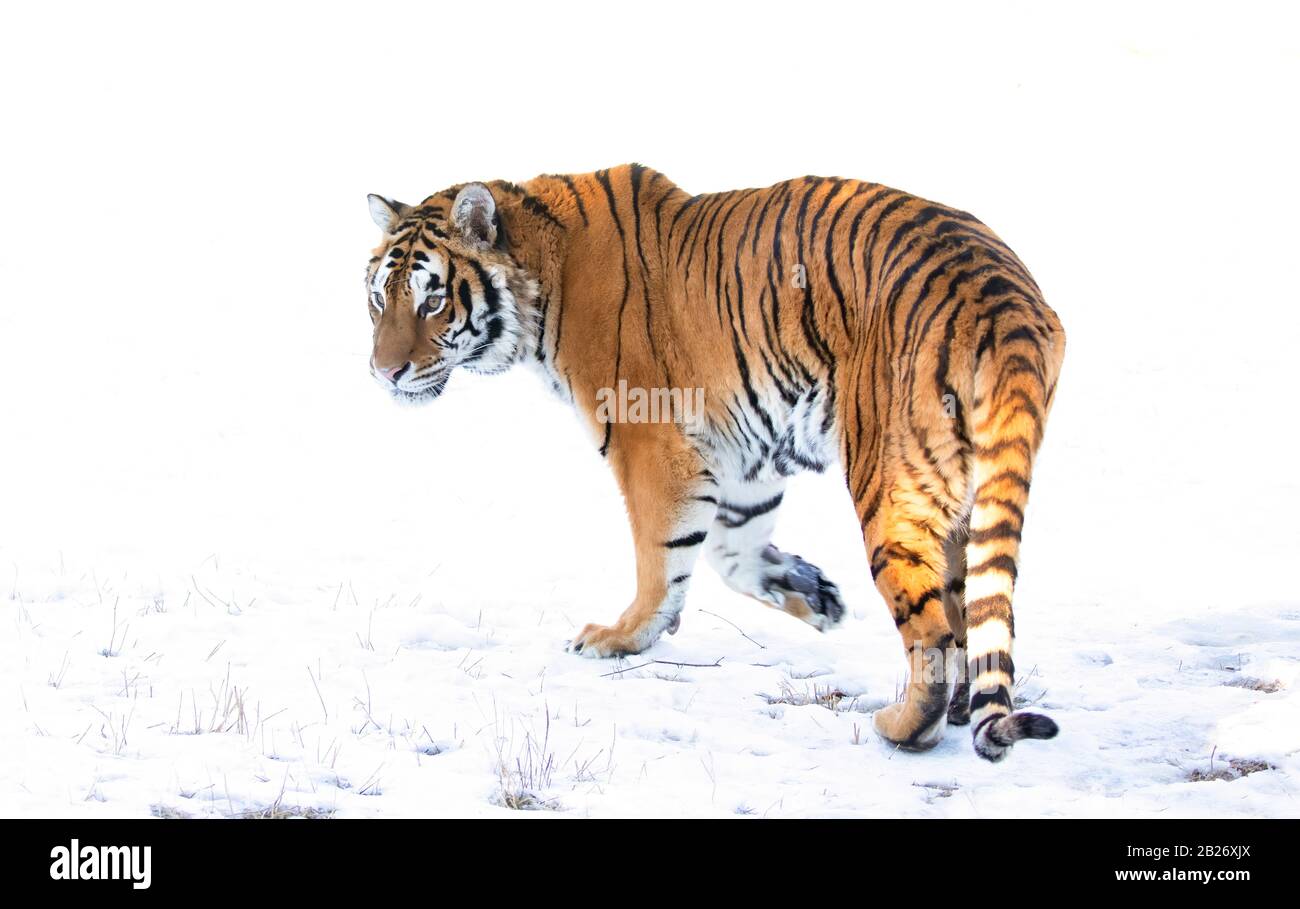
[185, 410]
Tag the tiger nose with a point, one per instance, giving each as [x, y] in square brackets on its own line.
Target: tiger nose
[393, 373]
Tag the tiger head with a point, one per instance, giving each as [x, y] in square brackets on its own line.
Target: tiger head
[443, 292]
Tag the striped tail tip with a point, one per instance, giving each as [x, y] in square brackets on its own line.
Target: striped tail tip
[995, 736]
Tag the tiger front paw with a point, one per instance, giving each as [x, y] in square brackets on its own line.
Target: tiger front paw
[598, 641]
[800, 588]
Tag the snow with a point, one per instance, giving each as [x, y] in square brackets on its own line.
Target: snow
[234, 578]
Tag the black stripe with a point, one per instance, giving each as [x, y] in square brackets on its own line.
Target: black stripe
[1004, 563]
[491, 296]
[920, 219]
[637, 172]
[582, 209]
[603, 177]
[994, 661]
[743, 514]
[776, 237]
[691, 539]
[691, 234]
[1002, 445]
[997, 606]
[830, 256]
[915, 609]
[1013, 507]
[743, 365]
[681, 210]
[1020, 334]
[999, 696]
[1005, 476]
[872, 235]
[1003, 530]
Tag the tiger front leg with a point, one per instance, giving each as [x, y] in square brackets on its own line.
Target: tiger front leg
[739, 548]
[670, 504]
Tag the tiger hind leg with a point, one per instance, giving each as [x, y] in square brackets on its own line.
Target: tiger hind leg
[954, 607]
[905, 546]
[739, 548]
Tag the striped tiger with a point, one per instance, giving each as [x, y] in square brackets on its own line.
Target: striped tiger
[826, 321]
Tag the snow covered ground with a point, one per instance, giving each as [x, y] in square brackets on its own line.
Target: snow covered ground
[235, 579]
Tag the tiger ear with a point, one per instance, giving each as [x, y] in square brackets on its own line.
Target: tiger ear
[386, 212]
[473, 215]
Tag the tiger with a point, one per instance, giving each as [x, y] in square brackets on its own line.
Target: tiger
[829, 322]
